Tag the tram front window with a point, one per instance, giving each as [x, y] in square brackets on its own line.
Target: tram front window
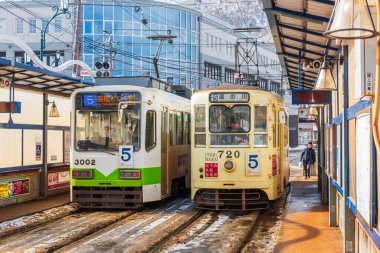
[105, 131]
[229, 125]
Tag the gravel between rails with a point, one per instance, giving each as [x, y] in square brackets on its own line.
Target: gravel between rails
[214, 232]
[32, 221]
[264, 235]
[139, 232]
[61, 232]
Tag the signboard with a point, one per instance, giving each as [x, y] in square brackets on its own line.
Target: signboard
[253, 164]
[303, 115]
[14, 187]
[211, 170]
[304, 96]
[10, 107]
[229, 97]
[66, 146]
[363, 166]
[84, 73]
[126, 156]
[238, 75]
[38, 151]
[58, 180]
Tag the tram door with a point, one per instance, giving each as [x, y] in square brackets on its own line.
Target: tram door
[164, 151]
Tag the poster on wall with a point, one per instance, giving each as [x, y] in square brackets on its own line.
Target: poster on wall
[38, 151]
[14, 187]
[66, 146]
[363, 165]
[58, 180]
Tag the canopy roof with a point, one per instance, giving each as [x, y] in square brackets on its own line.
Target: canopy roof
[32, 78]
[297, 27]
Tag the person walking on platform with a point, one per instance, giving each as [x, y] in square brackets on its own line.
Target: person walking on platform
[308, 159]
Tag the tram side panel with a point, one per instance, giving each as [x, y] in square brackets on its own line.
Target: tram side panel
[103, 182]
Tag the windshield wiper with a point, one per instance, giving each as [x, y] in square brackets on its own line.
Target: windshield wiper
[107, 152]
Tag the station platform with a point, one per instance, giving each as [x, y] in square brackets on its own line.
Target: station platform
[33, 206]
[305, 227]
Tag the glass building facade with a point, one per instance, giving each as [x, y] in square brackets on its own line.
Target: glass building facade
[132, 51]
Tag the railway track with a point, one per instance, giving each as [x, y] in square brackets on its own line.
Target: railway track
[171, 226]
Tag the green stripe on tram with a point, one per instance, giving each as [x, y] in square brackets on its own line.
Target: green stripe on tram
[148, 176]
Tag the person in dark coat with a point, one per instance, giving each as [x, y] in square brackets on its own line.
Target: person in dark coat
[308, 159]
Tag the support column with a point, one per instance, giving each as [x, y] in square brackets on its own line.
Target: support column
[332, 205]
[44, 169]
[349, 218]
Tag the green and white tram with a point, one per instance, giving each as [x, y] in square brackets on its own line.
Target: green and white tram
[130, 145]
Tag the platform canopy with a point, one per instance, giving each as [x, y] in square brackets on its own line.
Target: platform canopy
[36, 79]
[297, 27]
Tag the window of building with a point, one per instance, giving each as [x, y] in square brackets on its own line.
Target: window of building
[19, 26]
[207, 40]
[212, 41]
[229, 75]
[220, 44]
[32, 25]
[150, 137]
[2, 26]
[213, 71]
[58, 25]
[88, 27]
[45, 25]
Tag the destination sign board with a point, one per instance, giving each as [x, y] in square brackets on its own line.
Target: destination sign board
[97, 100]
[304, 96]
[229, 97]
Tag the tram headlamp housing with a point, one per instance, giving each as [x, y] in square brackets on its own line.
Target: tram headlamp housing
[129, 174]
[82, 174]
[229, 166]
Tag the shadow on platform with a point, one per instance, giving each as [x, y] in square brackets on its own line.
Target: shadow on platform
[305, 227]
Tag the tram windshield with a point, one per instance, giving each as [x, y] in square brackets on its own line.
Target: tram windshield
[228, 124]
[101, 127]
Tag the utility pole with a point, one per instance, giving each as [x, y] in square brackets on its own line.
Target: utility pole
[161, 38]
[111, 50]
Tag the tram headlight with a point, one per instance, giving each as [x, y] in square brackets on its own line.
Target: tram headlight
[229, 166]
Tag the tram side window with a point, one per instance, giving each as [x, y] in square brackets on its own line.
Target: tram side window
[150, 137]
[179, 126]
[261, 128]
[172, 128]
[186, 129]
[275, 124]
[200, 125]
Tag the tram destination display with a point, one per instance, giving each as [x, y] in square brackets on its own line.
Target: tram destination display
[102, 100]
[229, 97]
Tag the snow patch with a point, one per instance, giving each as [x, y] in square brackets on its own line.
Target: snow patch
[35, 218]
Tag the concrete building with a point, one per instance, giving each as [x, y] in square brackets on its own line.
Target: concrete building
[202, 55]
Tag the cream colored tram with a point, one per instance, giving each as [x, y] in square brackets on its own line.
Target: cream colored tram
[239, 145]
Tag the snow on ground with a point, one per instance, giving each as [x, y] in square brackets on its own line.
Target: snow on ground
[7, 227]
[202, 237]
[298, 148]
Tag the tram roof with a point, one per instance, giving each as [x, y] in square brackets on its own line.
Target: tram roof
[297, 27]
[40, 80]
